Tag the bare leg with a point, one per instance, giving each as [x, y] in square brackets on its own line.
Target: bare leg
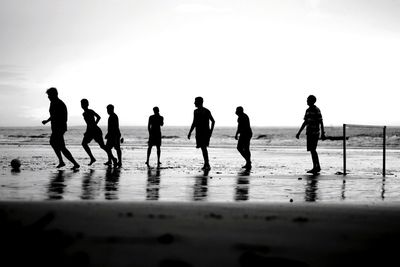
[108, 151]
[148, 154]
[158, 156]
[57, 150]
[119, 154]
[89, 152]
[59, 156]
[247, 156]
[69, 156]
[205, 157]
[315, 159]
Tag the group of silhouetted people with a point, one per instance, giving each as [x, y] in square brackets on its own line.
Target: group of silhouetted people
[201, 122]
[58, 118]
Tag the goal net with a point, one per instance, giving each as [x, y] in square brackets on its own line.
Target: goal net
[358, 136]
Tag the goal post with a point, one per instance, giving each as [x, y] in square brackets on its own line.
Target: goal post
[383, 144]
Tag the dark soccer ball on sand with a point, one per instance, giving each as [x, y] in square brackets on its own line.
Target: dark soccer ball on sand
[15, 164]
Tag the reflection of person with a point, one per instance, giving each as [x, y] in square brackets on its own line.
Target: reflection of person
[245, 133]
[112, 183]
[58, 118]
[154, 128]
[92, 131]
[153, 184]
[113, 136]
[201, 119]
[313, 121]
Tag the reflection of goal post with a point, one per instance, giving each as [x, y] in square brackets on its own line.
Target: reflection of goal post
[365, 126]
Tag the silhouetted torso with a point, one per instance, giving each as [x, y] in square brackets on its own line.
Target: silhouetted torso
[202, 116]
[313, 119]
[155, 122]
[113, 126]
[90, 119]
[244, 126]
[59, 116]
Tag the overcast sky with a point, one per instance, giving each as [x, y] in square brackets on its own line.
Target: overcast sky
[266, 56]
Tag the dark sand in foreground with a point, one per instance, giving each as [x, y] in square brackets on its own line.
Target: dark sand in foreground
[76, 233]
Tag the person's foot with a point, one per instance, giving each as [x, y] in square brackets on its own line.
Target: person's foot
[60, 165]
[206, 167]
[115, 162]
[314, 170]
[159, 164]
[93, 160]
[311, 171]
[119, 165]
[147, 164]
[108, 163]
[247, 166]
[75, 167]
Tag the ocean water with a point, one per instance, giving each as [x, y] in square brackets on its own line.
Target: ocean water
[175, 136]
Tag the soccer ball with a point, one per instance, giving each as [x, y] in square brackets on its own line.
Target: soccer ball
[15, 164]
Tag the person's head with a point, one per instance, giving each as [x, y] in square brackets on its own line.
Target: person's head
[84, 103]
[110, 109]
[311, 99]
[239, 110]
[52, 93]
[198, 101]
[156, 110]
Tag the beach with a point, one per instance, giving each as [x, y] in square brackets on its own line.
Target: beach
[76, 233]
[178, 215]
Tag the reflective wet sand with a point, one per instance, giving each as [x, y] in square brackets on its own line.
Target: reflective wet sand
[277, 176]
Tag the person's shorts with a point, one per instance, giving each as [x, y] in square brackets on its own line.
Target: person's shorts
[312, 142]
[93, 134]
[57, 139]
[244, 141]
[113, 142]
[202, 139]
[155, 140]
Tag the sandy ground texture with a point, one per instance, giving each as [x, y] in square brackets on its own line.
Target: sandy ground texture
[84, 233]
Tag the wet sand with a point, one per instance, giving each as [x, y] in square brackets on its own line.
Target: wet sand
[277, 176]
[274, 215]
[77, 233]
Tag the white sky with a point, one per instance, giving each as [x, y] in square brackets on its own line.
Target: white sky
[266, 56]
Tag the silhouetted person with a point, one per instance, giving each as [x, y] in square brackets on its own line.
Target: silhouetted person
[245, 133]
[154, 128]
[313, 121]
[201, 118]
[58, 118]
[93, 132]
[113, 136]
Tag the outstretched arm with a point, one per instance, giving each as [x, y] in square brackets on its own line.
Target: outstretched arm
[46, 121]
[301, 129]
